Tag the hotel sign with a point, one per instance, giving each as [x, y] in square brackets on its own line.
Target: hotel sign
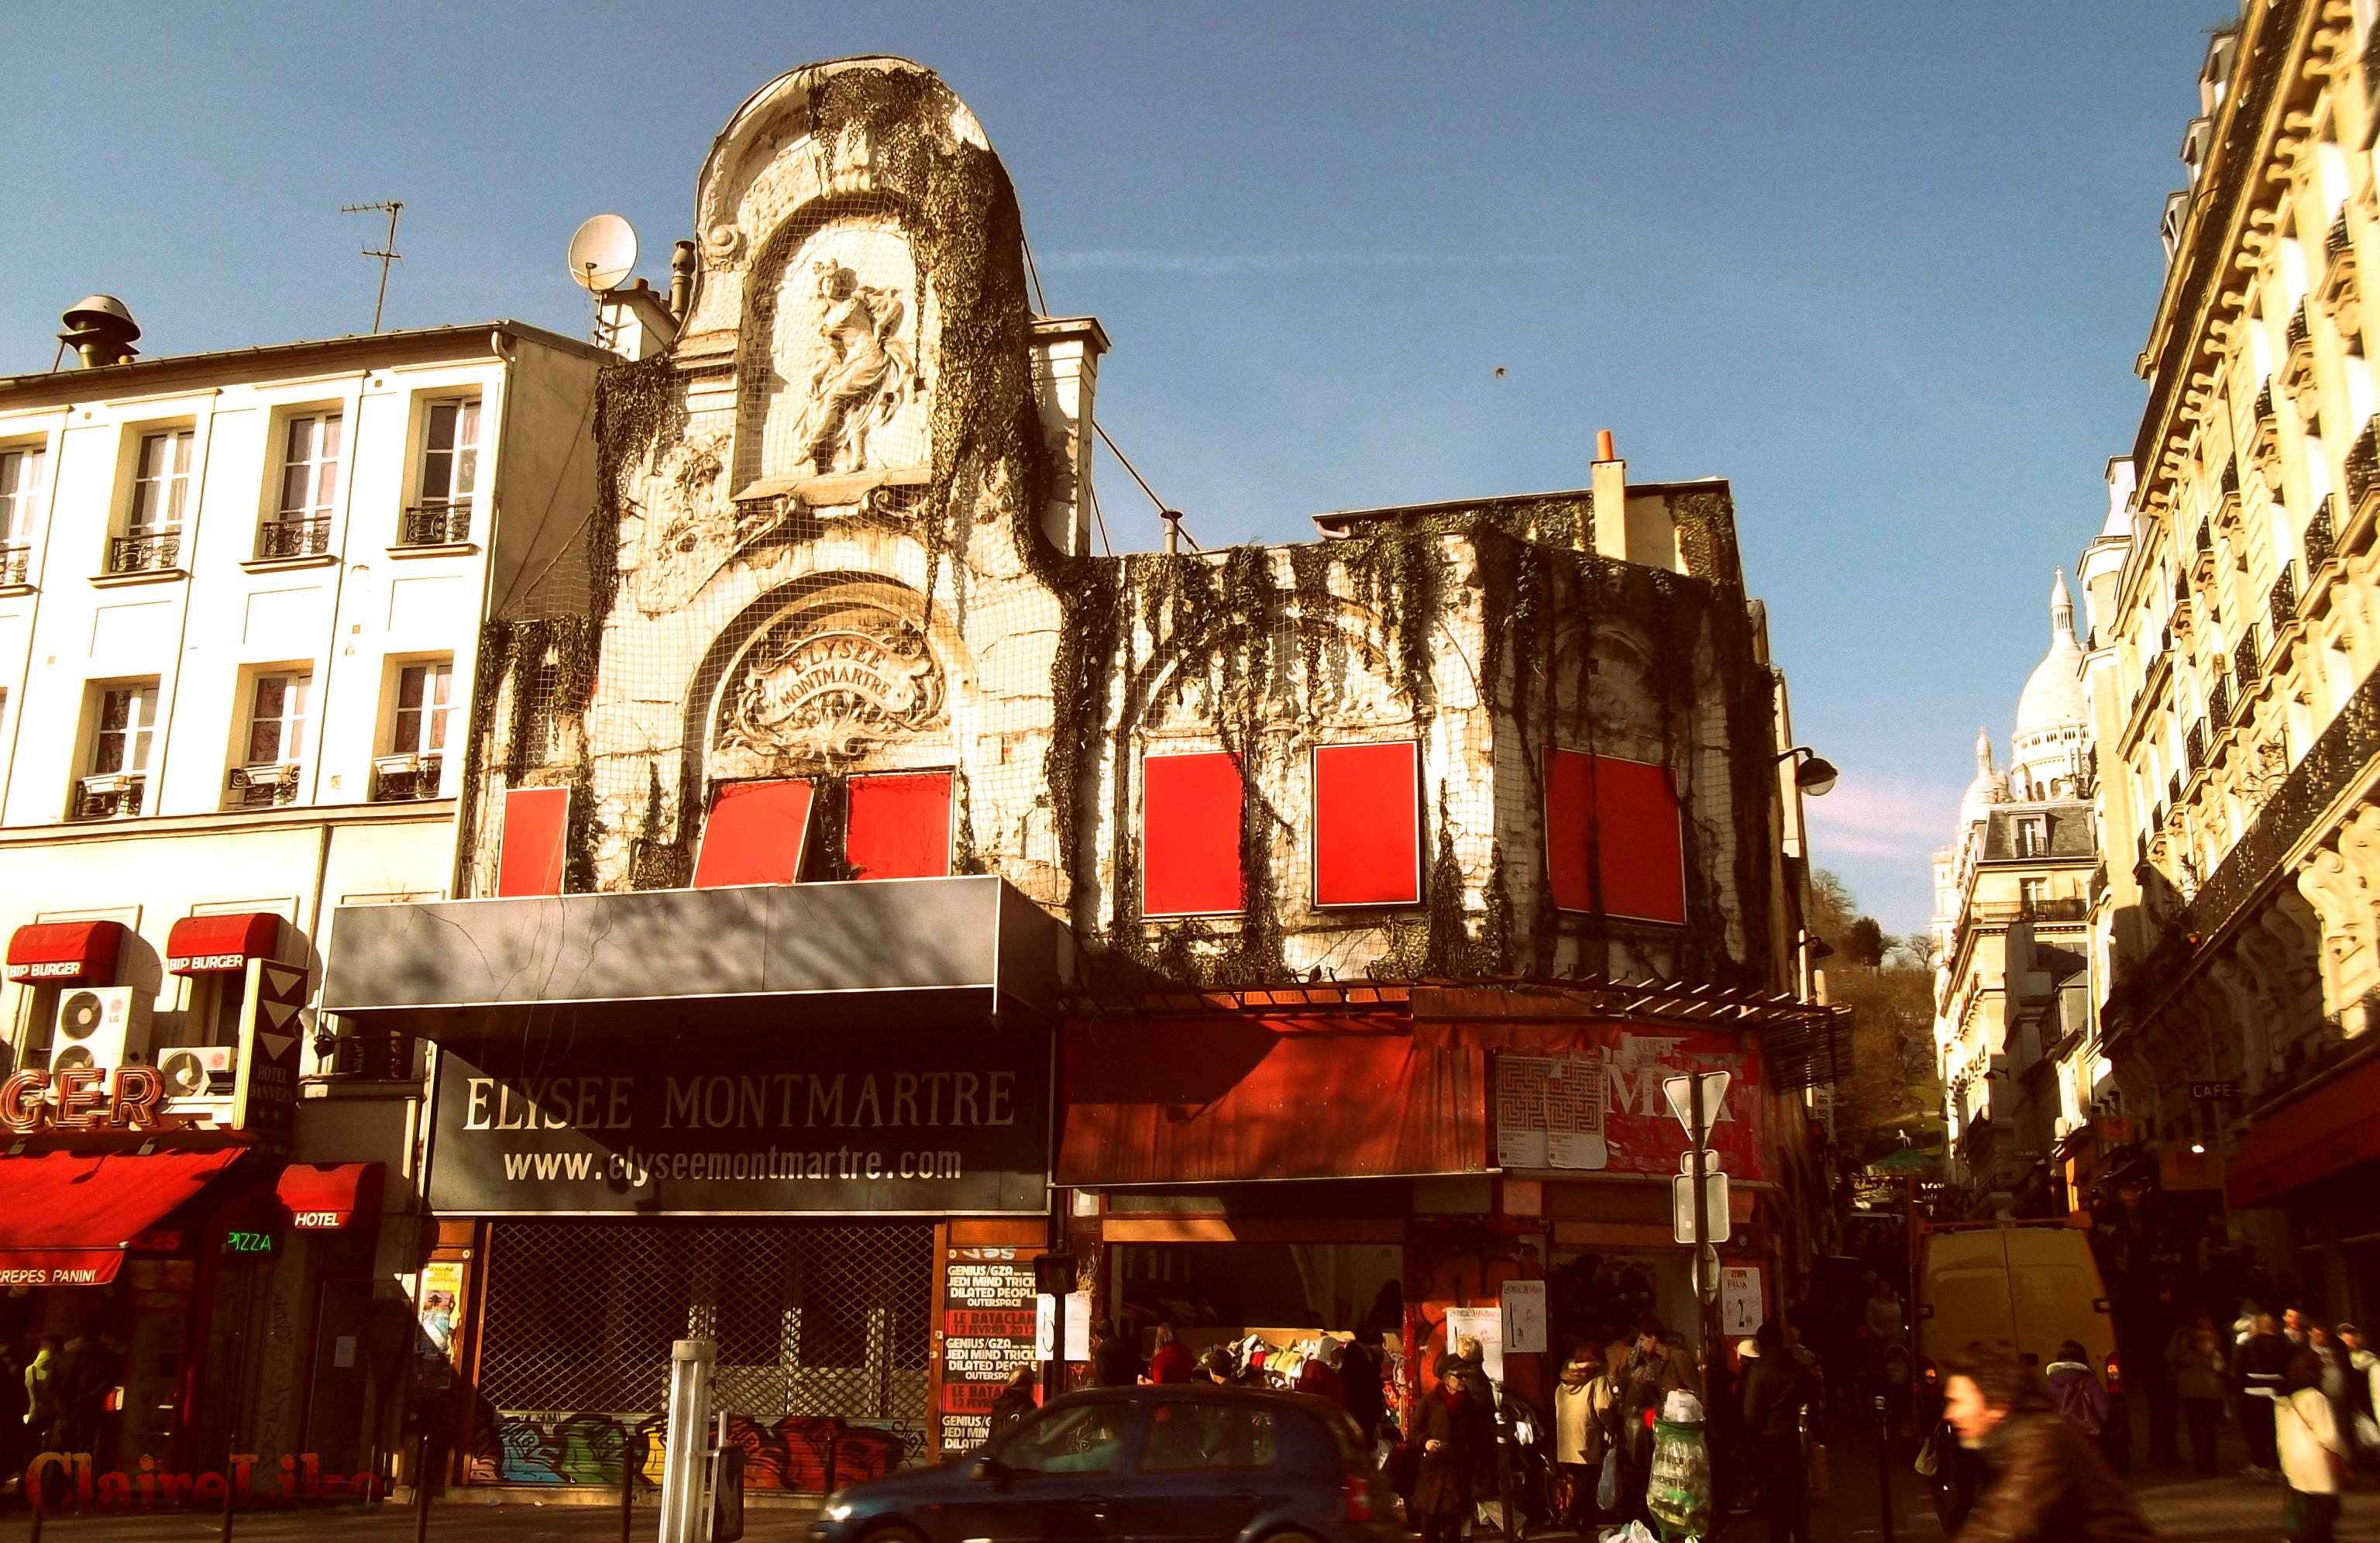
[569, 1124]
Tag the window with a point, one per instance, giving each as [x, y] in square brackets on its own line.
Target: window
[122, 727]
[450, 474]
[2033, 836]
[2030, 894]
[310, 486]
[1188, 1437]
[423, 697]
[160, 489]
[20, 472]
[276, 740]
[1080, 1439]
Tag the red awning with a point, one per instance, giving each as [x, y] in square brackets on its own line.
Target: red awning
[1210, 1099]
[66, 1217]
[202, 945]
[65, 953]
[326, 1197]
[2327, 1132]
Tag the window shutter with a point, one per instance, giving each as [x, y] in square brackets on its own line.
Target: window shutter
[899, 826]
[756, 835]
[529, 854]
[1190, 835]
[1613, 825]
[1367, 824]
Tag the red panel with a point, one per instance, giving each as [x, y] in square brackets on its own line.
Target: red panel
[327, 1196]
[1367, 824]
[528, 857]
[1190, 834]
[899, 826]
[2324, 1133]
[1206, 1099]
[66, 1218]
[202, 945]
[65, 953]
[1616, 820]
[756, 835]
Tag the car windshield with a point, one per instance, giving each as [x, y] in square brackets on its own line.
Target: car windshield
[1076, 1438]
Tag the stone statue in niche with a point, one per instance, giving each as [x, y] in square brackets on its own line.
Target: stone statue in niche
[862, 370]
[827, 681]
[699, 527]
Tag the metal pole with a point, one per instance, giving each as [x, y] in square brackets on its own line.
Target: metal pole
[683, 1459]
[1884, 1463]
[421, 1481]
[1705, 1284]
[627, 1481]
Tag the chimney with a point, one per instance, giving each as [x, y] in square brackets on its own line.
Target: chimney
[100, 329]
[681, 289]
[1610, 502]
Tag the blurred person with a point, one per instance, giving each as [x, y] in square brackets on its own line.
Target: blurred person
[2257, 1369]
[1776, 1389]
[2047, 1481]
[2077, 1391]
[1015, 1402]
[1114, 1362]
[1359, 1369]
[2194, 1364]
[2309, 1448]
[1583, 1432]
[1171, 1361]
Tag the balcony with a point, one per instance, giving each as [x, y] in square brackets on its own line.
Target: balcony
[2244, 660]
[2321, 540]
[2072, 907]
[2195, 748]
[2284, 600]
[145, 552]
[435, 524]
[2218, 703]
[402, 779]
[2264, 440]
[2226, 501]
[369, 1056]
[2338, 292]
[280, 538]
[2296, 369]
[2362, 469]
[262, 787]
[108, 795]
[16, 566]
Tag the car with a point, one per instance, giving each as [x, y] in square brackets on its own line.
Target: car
[1145, 1465]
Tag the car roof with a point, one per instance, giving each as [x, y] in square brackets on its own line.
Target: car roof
[1213, 1393]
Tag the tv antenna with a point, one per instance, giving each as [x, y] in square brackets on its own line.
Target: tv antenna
[388, 252]
[602, 252]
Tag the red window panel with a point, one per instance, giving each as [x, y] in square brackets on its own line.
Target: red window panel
[1190, 835]
[1617, 822]
[756, 835]
[529, 854]
[1367, 824]
[899, 826]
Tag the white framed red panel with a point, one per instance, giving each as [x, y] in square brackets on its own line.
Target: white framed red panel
[756, 834]
[1613, 827]
[528, 853]
[1365, 806]
[899, 825]
[1190, 805]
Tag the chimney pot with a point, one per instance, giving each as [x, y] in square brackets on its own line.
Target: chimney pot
[1603, 447]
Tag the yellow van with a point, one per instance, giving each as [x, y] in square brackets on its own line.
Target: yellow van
[2024, 1288]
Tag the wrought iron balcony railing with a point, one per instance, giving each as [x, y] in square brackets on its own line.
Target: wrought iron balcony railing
[436, 524]
[16, 563]
[108, 795]
[400, 779]
[144, 551]
[2362, 465]
[293, 537]
[2244, 660]
[261, 787]
[2322, 534]
[2284, 598]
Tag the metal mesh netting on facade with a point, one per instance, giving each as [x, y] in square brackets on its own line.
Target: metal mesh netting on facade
[824, 1337]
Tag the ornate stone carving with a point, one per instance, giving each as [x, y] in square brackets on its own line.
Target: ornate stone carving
[723, 243]
[698, 529]
[828, 680]
[861, 369]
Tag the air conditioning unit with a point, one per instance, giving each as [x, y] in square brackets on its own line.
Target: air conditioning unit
[110, 782]
[198, 1072]
[100, 1027]
[397, 766]
[280, 775]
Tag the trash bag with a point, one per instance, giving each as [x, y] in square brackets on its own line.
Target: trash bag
[1679, 1490]
[1606, 1488]
[1634, 1532]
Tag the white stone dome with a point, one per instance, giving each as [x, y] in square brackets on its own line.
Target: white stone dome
[1988, 788]
[2053, 698]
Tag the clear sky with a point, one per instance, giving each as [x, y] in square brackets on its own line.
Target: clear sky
[1886, 266]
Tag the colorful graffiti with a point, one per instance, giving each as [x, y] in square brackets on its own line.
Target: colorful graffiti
[800, 1453]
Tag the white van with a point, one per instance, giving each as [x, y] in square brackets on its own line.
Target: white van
[2024, 1288]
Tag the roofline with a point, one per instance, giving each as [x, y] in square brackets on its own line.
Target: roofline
[1395, 511]
[113, 380]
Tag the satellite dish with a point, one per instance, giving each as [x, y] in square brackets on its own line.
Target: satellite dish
[602, 252]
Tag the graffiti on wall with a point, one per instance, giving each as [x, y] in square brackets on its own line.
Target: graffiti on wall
[800, 1453]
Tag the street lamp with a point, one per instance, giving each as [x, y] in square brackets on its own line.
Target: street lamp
[1812, 773]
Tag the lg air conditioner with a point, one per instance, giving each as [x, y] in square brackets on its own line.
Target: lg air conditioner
[100, 1027]
[198, 1073]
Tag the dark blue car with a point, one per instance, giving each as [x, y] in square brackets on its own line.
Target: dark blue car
[1152, 1465]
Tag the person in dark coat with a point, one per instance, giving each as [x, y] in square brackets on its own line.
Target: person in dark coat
[1114, 1364]
[1775, 1391]
[1015, 1402]
[1359, 1368]
[1646, 1382]
[1446, 1428]
[2258, 1368]
[2048, 1482]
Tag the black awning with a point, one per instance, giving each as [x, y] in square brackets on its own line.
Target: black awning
[903, 952]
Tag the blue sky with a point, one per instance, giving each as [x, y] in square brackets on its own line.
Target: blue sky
[1886, 266]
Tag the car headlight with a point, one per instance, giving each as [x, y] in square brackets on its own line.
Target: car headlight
[837, 1509]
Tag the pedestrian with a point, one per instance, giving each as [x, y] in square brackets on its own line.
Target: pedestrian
[2153, 1330]
[2257, 1367]
[2194, 1359]
[1582, 1435]
[1015, 1402]
[1776, 1390]
[1215, 1368]
[1445, 1427]
[1171, 1361]
[16, 1435]
[1317, 1375]
[2048, 1482]
[1467, 1369]
[2310, 1448]
[1646, 1381]
[1359, 1368]
[2362, 1384]
[1114, 1362]
[2076, 1389]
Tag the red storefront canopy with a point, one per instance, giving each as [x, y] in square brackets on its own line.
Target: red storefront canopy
[65, 953]
[1206, 1100]
[2327, 1132]
[202, 945]
[66, 1217]
[327, 1197]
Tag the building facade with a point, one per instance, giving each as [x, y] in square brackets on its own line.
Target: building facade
[859, 862]
[239, 641]
[2233, 644]
[2011, 899]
